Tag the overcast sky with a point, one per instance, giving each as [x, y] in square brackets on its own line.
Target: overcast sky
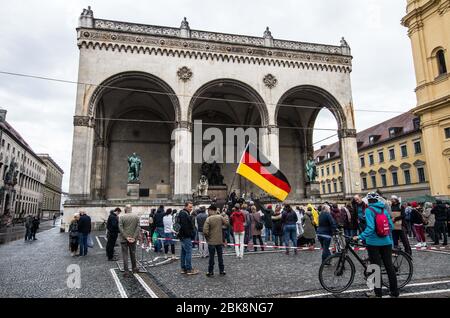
[38, 37]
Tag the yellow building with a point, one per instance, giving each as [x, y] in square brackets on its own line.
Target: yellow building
[392, 160]
[428, 23]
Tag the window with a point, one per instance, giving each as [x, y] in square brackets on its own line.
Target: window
[342, 186]
[447, 133]
[404, 151]
[323, 188]
[381, 156]
[392, 154]
[364, 182]
[407, 177]
[421, 174]
[442, 66]
[394, 178]
[9, 146]
[333, 168]
[417, 147]
[363, 163]
[335, 187]
[328, 170]
[383, 180]
[3, 143]
[416, 123]
[374, 181]
[329, 187]
[371, 161]
[340, 167]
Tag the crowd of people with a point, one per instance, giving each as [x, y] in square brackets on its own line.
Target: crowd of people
[250, 226]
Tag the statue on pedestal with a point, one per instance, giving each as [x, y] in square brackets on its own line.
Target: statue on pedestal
[212, 173]
[311, 170]
[203, 186]
[134, 168]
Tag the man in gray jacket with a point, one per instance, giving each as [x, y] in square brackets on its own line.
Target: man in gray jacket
[201, 218]
[129, 233]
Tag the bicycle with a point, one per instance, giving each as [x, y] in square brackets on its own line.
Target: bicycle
[339, 266]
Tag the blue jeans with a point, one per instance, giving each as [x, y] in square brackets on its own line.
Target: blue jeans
[290, 233]
[159, 244]
[186, 254]
[325, 243]
[83, 243]
[169, 241]
[268, 234]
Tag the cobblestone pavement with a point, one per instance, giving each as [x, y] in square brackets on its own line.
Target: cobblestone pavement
[38, 269]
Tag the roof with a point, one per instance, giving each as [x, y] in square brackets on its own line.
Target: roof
[381, 131]
[7, 128]
[46, 156]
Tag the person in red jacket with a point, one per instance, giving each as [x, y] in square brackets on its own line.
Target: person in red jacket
[238, 222]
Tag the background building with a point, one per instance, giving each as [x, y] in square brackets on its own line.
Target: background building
[22, 175]
[391, 160]
[52, 188]
[428, 24]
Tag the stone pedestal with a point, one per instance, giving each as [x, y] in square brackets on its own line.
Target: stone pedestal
[219, 192]
[133, 191]
[163, 190]
[313, 190]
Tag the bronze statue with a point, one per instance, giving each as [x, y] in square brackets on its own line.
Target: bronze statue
[311, 170]
[134, 168]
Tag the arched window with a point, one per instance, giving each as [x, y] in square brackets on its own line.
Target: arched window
[442, 66]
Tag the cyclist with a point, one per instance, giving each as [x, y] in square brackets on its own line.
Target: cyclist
[379, 247]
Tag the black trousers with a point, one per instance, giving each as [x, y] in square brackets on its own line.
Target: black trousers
[400, 234]
[379, 255]
[260, 242]
[212, 251]
[440, 228]
[110, 243]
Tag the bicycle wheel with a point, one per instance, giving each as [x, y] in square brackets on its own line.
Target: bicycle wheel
[403, 266]
[338, 276]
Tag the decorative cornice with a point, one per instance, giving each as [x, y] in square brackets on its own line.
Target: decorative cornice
[347, 133]
[393, 168]
[82, 121]
[232, 39]
[444, 7]
[184, 73]
[446, 152]
[273, 129]
[188, 48]
[184, 125]
[405, 166]
[270, 81]
[419, 163]
[372, 172]
[382, 170]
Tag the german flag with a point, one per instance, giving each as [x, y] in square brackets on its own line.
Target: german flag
[256, 168]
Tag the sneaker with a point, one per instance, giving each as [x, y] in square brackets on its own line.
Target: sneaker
[183, 271]
[371, 294]
[223, 273]
[135, 271]
[192, 272]
[209, 274]
[418, 245]
[424, 244]
[287, 252]
[295, 251]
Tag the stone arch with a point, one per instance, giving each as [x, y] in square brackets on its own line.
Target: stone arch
[330, 102]
[117, 78]
[256, 98]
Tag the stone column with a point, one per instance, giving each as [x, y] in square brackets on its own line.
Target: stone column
[182, 157]
[81, 167]
[270, 145]
[350, 162]
[101, 162]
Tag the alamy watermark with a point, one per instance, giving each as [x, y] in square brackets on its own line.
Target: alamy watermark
[74, 278]
[211, 145]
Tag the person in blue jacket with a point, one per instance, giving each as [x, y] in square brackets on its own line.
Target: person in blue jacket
[379, 248]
